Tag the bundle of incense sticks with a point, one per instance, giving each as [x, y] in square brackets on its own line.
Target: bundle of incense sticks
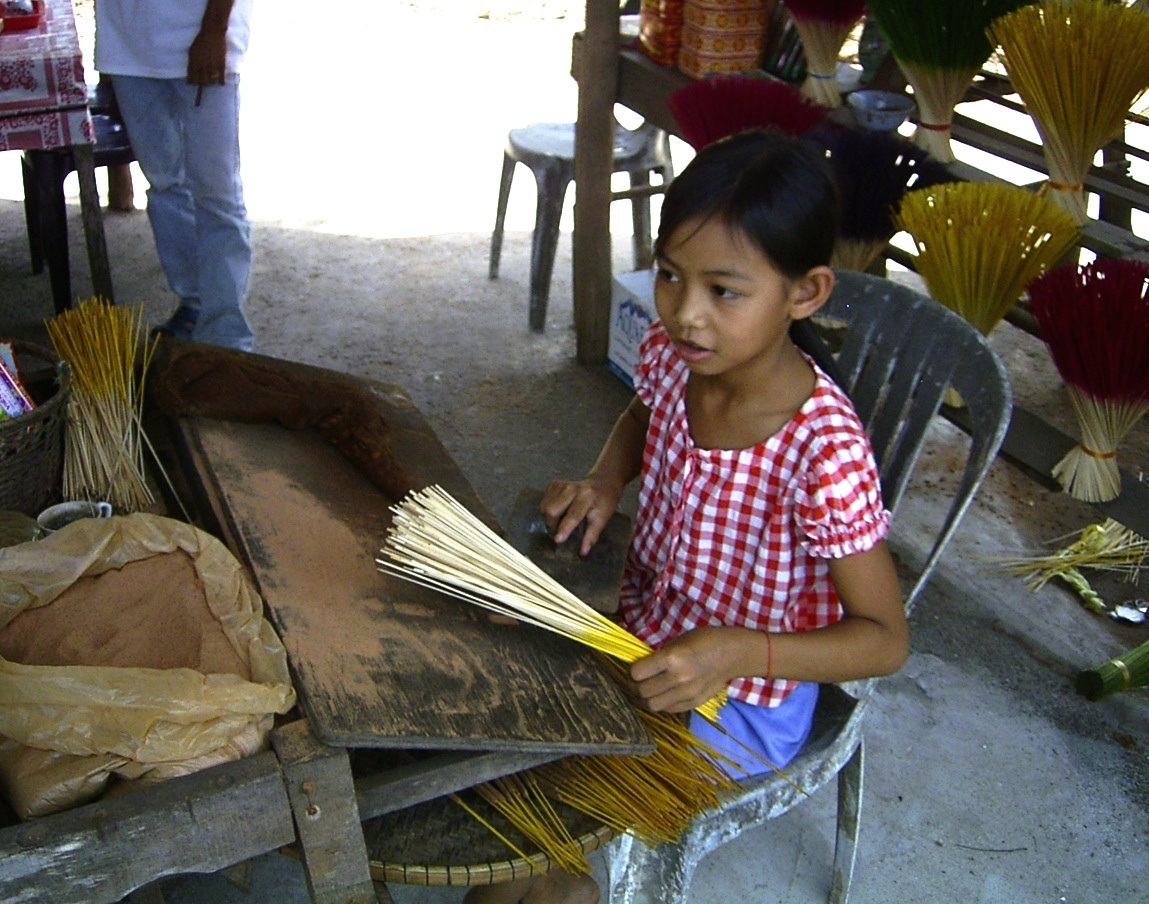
[1095, 319]
[940, 45]
[1078, 67]
[823, 26]
[435, 541]
[104, 445]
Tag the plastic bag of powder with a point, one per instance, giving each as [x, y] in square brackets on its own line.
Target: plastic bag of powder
[133, 647]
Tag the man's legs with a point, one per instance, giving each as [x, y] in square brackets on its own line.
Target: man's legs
[223, 232]
[190, 157]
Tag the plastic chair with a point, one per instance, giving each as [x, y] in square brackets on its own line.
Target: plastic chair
[900, 351]
[547, 149]
[45, 212]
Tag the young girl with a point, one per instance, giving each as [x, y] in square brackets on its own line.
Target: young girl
[758, 566]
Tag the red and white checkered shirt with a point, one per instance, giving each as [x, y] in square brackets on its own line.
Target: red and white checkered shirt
[743, 537]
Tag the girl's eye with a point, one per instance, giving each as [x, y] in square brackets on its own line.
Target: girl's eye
[663, 275]
[723, 292]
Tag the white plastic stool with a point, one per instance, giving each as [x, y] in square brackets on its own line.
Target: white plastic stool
[547, 149]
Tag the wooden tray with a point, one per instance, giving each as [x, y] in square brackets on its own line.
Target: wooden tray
[379, 662]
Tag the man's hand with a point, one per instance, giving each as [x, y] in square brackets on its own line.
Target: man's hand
[207, 58]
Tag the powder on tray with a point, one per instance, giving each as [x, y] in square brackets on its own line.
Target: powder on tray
[151, 613]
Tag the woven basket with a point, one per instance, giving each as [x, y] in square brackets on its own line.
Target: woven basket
[437, 843]
[32, 445]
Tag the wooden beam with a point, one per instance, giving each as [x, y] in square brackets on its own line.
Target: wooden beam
[198, 823]
[645, 86]
[428, 779]
[1107, 181]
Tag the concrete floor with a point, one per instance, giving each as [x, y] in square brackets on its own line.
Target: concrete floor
[988, 779]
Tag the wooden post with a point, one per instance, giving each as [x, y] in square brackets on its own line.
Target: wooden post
[596, 70]
[121, 193]
[93, 222]
[327, 825]
[1115, 210]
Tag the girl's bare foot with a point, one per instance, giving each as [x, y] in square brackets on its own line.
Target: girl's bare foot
[557, 887]
[501, 893]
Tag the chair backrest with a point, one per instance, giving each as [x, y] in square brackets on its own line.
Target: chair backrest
[900, 352]
[644, 147]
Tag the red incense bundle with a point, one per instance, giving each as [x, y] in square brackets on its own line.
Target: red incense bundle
[1095, 319]
[719, 106]
[823, 26]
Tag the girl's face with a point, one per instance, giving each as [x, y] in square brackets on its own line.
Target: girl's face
[726, 306]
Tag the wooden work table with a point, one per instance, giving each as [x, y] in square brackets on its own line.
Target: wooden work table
[377, 663]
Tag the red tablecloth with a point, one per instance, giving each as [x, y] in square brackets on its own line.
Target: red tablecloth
[42, 91]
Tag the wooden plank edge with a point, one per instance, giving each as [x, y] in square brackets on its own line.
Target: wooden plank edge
[1037, 446]
[198, 823]
[428, 779]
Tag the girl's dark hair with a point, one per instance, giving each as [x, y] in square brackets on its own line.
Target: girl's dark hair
[777, 190]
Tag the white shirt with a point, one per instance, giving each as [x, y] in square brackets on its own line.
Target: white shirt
[151, 38]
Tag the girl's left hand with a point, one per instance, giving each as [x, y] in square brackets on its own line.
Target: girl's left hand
[685, 672]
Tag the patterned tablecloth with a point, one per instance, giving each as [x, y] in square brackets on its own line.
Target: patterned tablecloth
[43, 97]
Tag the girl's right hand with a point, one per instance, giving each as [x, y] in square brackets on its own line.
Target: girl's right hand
[589, 502]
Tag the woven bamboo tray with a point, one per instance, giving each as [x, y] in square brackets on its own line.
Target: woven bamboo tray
[439, 843]
[32, 445]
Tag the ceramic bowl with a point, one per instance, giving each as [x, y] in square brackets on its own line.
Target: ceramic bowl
[880, 111]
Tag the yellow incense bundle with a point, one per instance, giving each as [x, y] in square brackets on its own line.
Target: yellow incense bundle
[104, 446]
[1078, 65]
[654, 798]
[979, 244]
[651, 797]
[435, 541]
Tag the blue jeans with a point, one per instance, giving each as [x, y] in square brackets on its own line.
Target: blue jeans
[190, 156]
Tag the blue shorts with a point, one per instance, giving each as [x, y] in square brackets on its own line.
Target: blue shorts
[775, 733]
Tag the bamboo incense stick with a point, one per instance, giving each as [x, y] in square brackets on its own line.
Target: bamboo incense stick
[979, 244]
[940, 45]
[1108, 546]
[716, 107]
[823, 26]
[1119, 674]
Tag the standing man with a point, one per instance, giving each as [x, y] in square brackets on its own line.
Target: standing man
[175, 70]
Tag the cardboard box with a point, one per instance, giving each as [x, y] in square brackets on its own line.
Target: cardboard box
[631, 312]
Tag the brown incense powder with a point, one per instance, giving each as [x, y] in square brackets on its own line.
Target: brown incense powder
[151, 613]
